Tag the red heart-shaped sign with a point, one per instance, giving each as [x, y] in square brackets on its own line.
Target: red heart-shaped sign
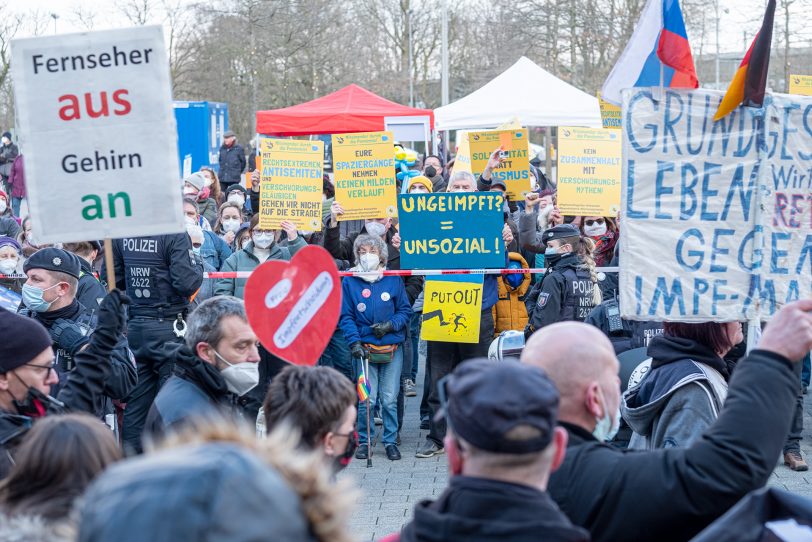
[293, 306]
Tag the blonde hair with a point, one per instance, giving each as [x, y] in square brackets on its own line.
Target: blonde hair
[327, 505]
[585, 249]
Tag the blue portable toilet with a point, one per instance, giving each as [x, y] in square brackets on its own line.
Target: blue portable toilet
[200, 133]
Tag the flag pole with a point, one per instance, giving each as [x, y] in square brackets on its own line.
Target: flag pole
[365, 366]
[108, 262]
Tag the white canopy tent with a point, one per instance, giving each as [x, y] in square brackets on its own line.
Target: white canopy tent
[525, 91]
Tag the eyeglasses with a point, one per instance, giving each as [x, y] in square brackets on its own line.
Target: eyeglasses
[599, 222]
[48, 368]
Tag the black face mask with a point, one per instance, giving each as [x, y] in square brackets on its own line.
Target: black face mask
[37, 405]
[340, 462]
[430, 171]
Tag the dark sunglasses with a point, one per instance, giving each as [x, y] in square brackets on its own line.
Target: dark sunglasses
[599, 222]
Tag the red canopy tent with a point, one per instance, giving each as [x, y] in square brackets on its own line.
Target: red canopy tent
[350, 109]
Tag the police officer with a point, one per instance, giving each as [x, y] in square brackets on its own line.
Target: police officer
[569, 290]
[159, 274]
[624, 334]
[49, 296]
[91, 291]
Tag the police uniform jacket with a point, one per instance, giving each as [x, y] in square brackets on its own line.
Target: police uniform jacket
[159, 273]
[564, 293]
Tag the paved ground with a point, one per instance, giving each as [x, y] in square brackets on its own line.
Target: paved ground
[390, 489]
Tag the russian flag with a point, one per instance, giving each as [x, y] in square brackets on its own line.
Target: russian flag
[658, 53]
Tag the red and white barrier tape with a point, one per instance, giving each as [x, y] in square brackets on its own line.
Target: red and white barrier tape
[410, 272]
[386, 273]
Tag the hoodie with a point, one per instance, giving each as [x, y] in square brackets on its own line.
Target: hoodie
[481, 510]
[680, 396]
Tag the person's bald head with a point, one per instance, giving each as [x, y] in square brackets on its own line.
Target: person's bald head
[581, 362]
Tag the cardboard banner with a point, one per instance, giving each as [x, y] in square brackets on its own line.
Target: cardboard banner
[97, 128]
[452, 309]
[462, 160]
[290, 185]
[800, 84]
[451, 231]
[515, 170]
[589, 170]
[364, 175]
[610, 114]
[713, 227]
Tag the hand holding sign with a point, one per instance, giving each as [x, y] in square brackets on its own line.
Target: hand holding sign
[294, 306]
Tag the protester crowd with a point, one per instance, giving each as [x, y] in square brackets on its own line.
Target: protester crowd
[153, 412]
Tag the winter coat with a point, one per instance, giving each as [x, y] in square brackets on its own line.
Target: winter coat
[80, 392]
[484, 510]
[122, 376]
[244, 260]
[214, 251]
[365, 303]
[195, 390]
[340, 248]
[90, 290]
[16, 179]
[9, 227]
[158, 272]
[7, 155]
[556, 299]
[680, 396]
[232, 163]
[208, 209]
[673, 494]
[510, 312]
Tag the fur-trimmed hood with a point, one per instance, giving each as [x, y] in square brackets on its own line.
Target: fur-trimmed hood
[24, 528]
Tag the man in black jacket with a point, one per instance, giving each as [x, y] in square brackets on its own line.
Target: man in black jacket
[27, 373]
[159, 273]
[502, 444]
[214, 370]
[668, 494]
[53, 275]
[91, 291]
[232, 161]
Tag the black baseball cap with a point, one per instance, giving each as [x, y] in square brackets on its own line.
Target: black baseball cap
[484, 400]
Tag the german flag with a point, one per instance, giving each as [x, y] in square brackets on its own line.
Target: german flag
[750, 82]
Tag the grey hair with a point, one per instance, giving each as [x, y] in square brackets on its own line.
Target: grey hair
[366, 240]
[461, 175]
[204, 324]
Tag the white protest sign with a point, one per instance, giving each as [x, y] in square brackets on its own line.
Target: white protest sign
[716, 217]
[96, 125]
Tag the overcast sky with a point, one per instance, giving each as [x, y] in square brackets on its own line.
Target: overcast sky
[742, 16]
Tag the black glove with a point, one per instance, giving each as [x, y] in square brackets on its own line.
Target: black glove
[381, 329]
[69, 336]
[112, 316]
[357, 350]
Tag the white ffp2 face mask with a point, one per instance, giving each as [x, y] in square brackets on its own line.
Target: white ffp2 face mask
[263, 240]
[607, 427]
[240, 377]
[376, 228]
[596, 230]
[369, 262]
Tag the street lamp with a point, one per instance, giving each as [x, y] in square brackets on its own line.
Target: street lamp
[54, 16]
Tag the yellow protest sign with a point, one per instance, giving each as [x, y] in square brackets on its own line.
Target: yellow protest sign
[452, 309]
[515, 170]
[290, 183]
[800, 84]
[610, 114]
[462, 160]
[589, 171]
[364, 175]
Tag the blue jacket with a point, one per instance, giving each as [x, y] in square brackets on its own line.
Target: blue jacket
[364, 304]
[214, 251]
